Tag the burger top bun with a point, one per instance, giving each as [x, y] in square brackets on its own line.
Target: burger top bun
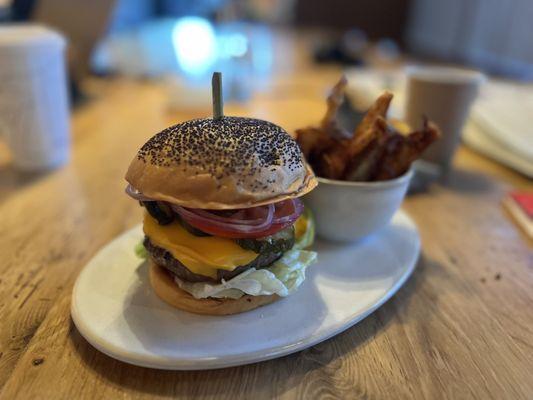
[224, 163]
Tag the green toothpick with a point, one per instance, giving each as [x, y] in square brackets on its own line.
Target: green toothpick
[218, 103]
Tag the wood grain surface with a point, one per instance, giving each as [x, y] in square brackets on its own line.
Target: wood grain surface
[462, 326]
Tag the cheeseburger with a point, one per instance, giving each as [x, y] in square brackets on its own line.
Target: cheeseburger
[224, 226]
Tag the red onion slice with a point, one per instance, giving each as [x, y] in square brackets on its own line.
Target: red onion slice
[206, 219]
[239, 217]
[134, 193]
[291, 215]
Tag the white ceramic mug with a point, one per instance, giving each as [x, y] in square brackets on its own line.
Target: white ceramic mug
[34, 112]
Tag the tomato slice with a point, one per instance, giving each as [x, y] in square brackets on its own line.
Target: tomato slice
[236, 235]
[285, 213]
[218, 231]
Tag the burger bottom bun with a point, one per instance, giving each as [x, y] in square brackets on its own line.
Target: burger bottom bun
[168, 291]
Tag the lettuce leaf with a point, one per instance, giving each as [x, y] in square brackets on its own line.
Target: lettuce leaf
[281, 278]
[140, 250]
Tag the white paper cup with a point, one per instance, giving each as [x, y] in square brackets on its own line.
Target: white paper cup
[444, 95]
[34, 113]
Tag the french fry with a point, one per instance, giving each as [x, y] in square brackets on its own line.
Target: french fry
[364, 165]
[307, 139]
[401, 151]
[375, 151]
[312, 142]
[363, 132]
[378, 109]
[331, 165]
[329, 123]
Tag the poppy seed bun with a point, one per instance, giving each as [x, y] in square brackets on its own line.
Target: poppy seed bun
[168, 291]
[221, 164]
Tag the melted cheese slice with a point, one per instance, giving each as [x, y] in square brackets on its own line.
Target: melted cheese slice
[200, 254]
[301, 226]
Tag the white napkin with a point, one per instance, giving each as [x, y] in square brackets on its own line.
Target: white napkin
[503, 111]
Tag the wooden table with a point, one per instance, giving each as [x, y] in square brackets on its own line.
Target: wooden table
[462, 326]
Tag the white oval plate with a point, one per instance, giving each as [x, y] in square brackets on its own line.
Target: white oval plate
[115, 309]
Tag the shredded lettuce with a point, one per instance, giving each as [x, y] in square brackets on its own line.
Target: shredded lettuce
[281, 278]
[140, 250]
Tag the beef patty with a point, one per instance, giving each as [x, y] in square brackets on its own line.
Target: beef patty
[165, 259]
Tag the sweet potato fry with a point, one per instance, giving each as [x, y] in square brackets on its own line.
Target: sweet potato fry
[329, 123]
[365, 164]
[331, 164]
[378, 109]
[375, 151]
[313, 141]
[363, 132]
[307, 139]
[401, 151]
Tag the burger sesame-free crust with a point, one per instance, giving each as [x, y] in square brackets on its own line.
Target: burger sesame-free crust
[168, 291]
[221, 164]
